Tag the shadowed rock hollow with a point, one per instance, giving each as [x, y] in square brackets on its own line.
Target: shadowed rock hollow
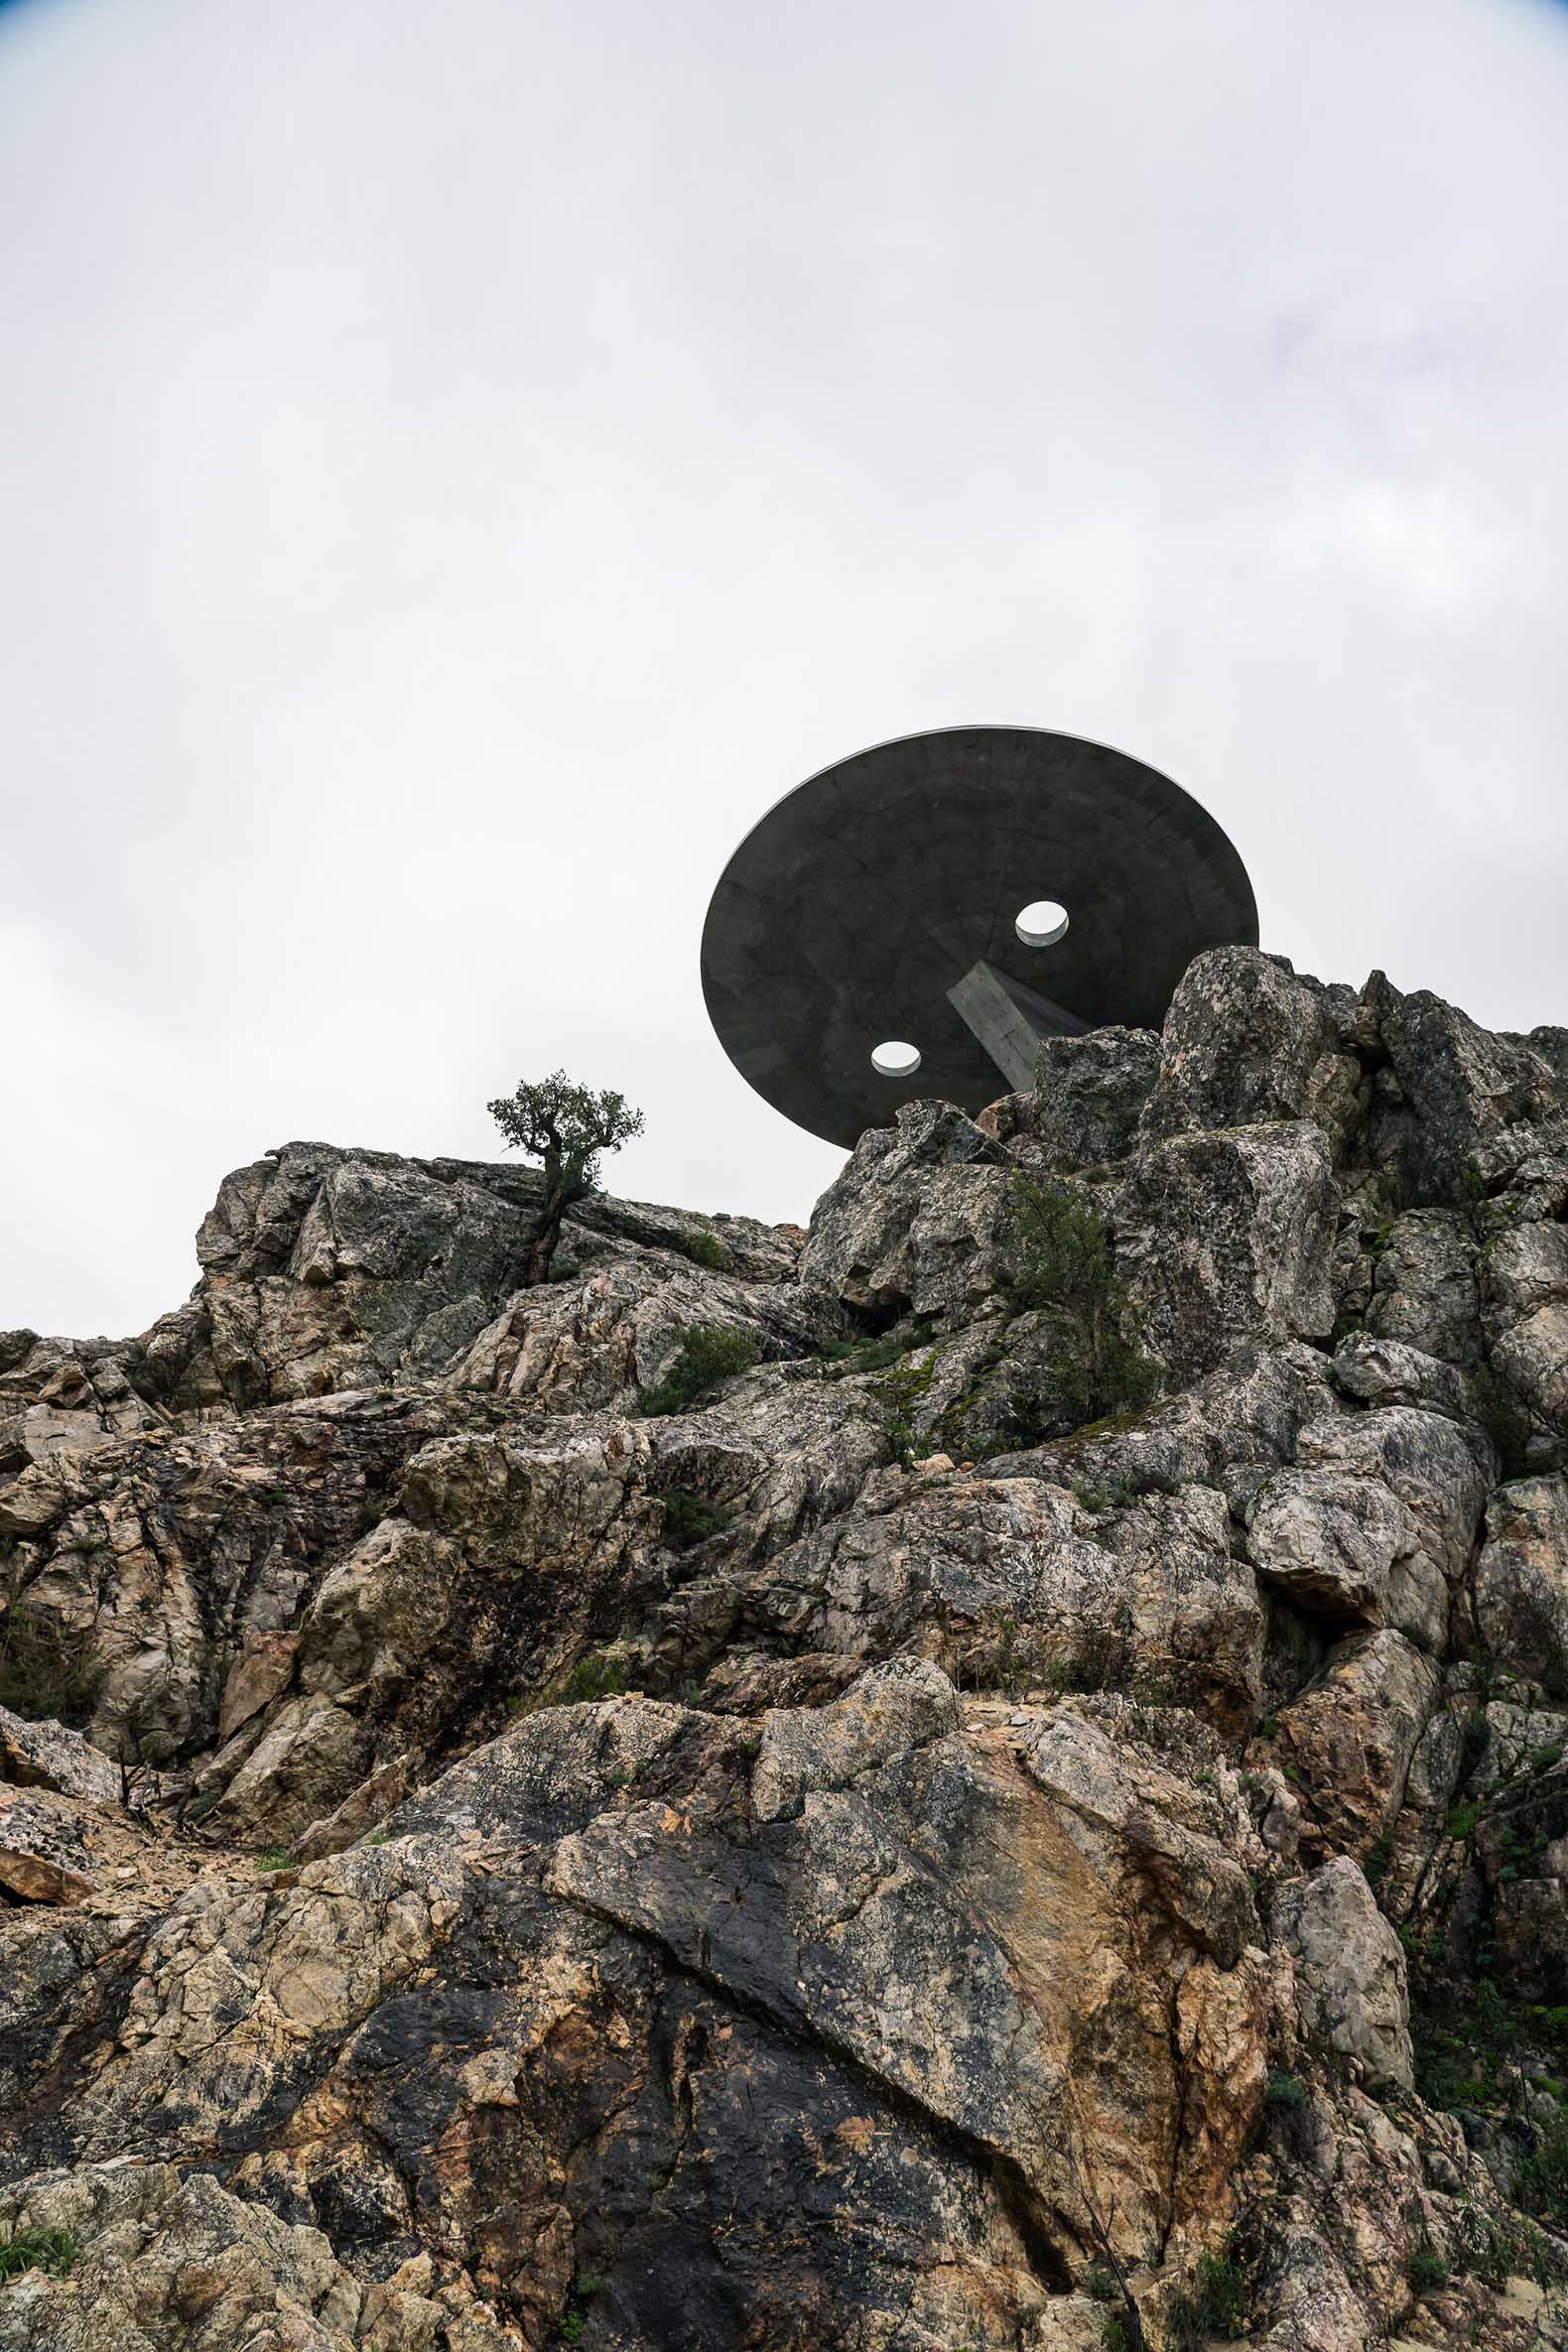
[859, 1862]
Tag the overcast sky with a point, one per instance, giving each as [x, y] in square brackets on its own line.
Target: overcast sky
[460, 466]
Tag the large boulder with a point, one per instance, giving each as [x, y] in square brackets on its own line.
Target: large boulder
[1246, 1042]
[1375, 1522]
[1351, 1990]
[917, 1219]
[1346, 1741]
[1424, 1285]
[47, 1755]
[1524, 1287]
[1088, 1097]
[1455, 1089]
[1227, 1238]
[1521, 1581]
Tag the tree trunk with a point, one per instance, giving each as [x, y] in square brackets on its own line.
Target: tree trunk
[542, 1242]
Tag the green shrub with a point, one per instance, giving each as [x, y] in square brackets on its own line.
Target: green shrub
[53, 2251]
[848, 1357]
[1427, 2273]
[1114, 2333]
[899, 1393]
[46, 1669]
[1483, 2250]
[1103, 2283]
[1060, 1265]
[574, 2319]
[688, 1517]
[1461, 1820]
[1214, 2305]
[1283, 2090]
[1541, 2180]
[709, 1353]
[706, 1250]
[594, 1676]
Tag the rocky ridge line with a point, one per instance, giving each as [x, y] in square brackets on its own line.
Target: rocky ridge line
[858, 1860]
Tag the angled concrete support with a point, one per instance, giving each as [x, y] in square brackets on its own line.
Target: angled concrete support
[1010, 1019]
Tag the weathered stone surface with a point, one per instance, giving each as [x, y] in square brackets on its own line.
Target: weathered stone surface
[1378, 1370]
[65, 1396]
[1248, 1042]
[1424, 1285]
[916, 1220]
[1351, 1986]
[1348, 1546]
[1088, 1097]
[175, 1554]
[261, 1672]
[171, 2258]
[1377, 1522]
[1015, 1581]
[1524, 1285]
[1457, 1087]
[47, 1755]
[44, 1857]
[1522, 1580]
[808, 1869]
[1227, 1238]
[1348, 1740]
[590, 1345]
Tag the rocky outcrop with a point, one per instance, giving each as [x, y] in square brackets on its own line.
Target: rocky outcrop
[1350, 1972]
[1229, 1234]
[1088, 1097]
[856, 1857]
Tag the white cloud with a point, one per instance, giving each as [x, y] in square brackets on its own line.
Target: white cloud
[460, 466]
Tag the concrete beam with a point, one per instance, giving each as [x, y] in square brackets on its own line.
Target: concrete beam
[1010, 1019]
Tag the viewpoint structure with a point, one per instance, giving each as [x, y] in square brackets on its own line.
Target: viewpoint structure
[912, 920]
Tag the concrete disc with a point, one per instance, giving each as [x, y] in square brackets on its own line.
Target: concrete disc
[862, 897]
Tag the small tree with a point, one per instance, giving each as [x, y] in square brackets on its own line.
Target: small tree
[565, 1127]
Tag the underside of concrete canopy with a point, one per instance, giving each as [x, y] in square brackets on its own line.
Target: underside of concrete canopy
[957, 896]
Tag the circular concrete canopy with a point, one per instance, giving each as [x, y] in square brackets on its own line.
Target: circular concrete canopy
[855, 905]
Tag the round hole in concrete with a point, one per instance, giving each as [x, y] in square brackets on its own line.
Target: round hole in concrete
[896, 1058]
[1041, 923]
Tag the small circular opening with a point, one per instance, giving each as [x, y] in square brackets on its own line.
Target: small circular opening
[897, 1057]
[1041, 923]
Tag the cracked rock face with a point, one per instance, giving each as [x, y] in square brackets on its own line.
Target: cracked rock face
[857, 1861]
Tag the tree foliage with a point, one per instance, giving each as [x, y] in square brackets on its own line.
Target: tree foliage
[565, 1127]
